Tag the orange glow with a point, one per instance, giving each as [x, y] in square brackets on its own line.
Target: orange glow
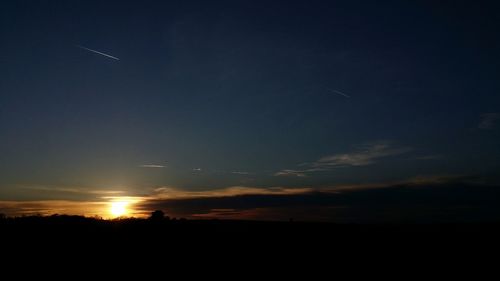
[122, 206]
[118, 208]
[107, 207]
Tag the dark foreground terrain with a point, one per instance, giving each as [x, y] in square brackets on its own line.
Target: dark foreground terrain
[260, 243]
[77, 230]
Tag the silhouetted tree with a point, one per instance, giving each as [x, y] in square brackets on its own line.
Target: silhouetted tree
[157, 215]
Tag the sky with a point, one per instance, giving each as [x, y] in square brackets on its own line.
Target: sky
[343, 111]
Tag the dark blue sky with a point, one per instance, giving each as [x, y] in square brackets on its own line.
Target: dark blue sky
[245, 93]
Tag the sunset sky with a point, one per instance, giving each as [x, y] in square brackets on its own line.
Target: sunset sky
[344, 111]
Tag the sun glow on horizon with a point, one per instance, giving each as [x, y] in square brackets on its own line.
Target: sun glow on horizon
[119, 208]
[122, 206]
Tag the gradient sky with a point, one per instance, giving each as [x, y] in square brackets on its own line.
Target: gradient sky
[318, 110]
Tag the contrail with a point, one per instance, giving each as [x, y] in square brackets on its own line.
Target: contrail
[97, 52]
[338, 92]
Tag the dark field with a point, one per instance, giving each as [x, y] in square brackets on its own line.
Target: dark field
[250, 246]
[78, 230]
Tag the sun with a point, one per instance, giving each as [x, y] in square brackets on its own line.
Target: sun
[121, 206]
[118, 208]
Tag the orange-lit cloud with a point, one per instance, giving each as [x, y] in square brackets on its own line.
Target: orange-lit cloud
[50, 207]
[75, 190]
[101, 208]
[174, 193]
[274, 203]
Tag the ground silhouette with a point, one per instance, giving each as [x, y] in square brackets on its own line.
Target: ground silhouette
[158, 224]
[287, 242]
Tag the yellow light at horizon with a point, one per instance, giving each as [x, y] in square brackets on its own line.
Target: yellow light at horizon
[119, 208]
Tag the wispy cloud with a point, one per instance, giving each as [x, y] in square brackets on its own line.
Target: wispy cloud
[429, 157]
[363, 156]
[50, 207]
[427, 196]
[417, 181]
[292, 173]
[488, 120]
[338, 93]
[175, 193]
[240, 173]
[154, 166]
[366, 155]
[76, 190]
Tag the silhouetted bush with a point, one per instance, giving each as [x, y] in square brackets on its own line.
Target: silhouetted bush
[158, 215]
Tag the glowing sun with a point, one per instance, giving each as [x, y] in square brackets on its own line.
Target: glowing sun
[118, 208]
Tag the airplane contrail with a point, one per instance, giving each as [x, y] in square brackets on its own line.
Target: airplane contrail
[97, 52]
[338, 92]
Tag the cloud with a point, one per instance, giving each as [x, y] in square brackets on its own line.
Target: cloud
[421, 199]
[439, 179]
[488, 120]
[77, 193]
[172, 193]
[293, 173]
[365, 155]
[424, 180]
[175, 193]
[240, 173]
[76, 190]
[84, 207]
[152, 166]
[429, 157]
[50, 207]
[338, 93]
